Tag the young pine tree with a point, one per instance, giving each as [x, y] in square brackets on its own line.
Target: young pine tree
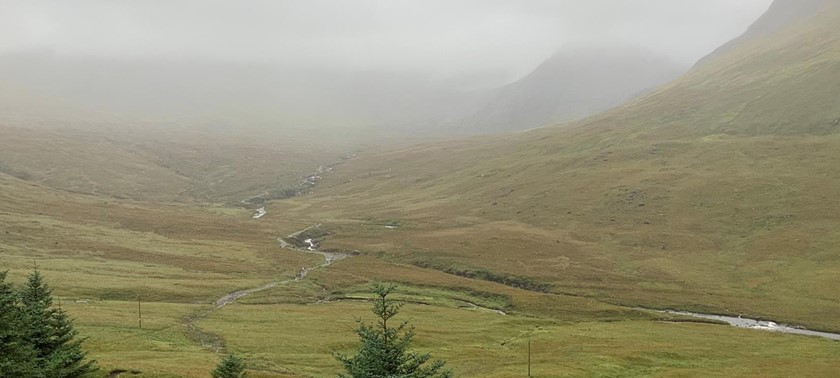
[384, 352]
[17, 357]
[58, 351]
[230, 367]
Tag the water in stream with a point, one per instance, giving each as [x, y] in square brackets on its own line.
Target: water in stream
[762, 325]
[259, 213]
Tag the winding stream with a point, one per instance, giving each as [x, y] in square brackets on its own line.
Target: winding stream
[210, 340]
[762, 325]
[232, 297]
[311, 248]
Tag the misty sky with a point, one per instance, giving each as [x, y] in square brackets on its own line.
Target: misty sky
[477, 42]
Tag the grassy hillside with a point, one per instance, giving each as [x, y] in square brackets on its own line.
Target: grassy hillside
[713, 193]
[183, 164]
[782, 84]
[158, 252]
[782, 14]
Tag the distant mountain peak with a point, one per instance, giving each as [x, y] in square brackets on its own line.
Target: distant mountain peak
[573, 83]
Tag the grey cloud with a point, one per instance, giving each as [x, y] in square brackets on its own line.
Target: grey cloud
[469, 42]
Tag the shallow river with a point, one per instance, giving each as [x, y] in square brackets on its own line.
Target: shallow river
[758, 324]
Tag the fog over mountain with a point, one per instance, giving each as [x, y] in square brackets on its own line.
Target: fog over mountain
[573, 83]
[396, 64]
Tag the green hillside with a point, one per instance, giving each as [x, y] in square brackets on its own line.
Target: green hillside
[715, 192]
[784, 83]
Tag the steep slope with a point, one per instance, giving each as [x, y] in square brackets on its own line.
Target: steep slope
[573, 83]
[714, 192]
[783, 83]
[781, 14]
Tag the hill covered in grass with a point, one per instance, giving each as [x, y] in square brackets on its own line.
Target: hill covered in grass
[782, 14]
[714, 192]
[781, 82]
[169, 164]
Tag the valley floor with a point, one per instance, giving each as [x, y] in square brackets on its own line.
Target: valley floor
[102, 256]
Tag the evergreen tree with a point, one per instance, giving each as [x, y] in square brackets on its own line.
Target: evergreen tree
[230, 367]
[16, 354]
[384, 352]
[58, 351]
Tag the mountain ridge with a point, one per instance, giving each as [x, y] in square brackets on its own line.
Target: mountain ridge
[573, 83]
[780, 15]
